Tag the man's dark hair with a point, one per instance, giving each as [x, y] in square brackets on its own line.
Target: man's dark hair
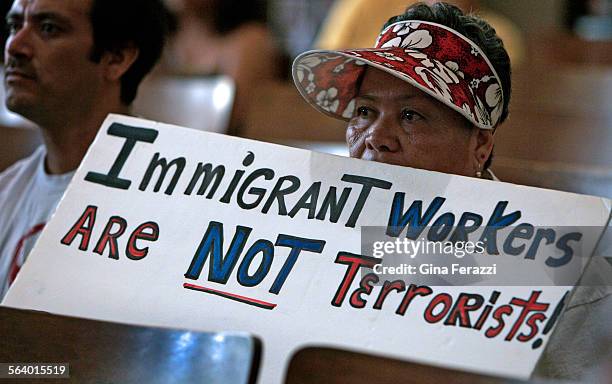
[475, 29]
[4, 8]
[118, 24]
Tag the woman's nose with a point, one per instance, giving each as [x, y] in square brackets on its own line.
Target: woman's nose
[382, 136]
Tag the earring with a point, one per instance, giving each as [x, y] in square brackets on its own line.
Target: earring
[479, 172]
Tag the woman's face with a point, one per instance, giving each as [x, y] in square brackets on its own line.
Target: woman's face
[395, 123]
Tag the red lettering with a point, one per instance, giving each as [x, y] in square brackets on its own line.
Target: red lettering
[533, 325]
[397, 285]
[498, 315]
[114, 229]
[132, 251]
[364, 288]
[530, 305]
[412, 292]
[354, 262]
[462, 308]
[441, 298]
[110, 238]
[80, 228]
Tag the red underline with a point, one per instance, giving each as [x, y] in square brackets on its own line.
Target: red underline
[231, 296]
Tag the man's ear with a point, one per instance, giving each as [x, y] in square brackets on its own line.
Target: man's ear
[119, 61]
[484, 146]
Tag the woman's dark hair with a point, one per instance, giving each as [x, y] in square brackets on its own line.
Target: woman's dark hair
[475, 29]
[118, 24]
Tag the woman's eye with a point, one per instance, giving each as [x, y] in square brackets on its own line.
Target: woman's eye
[411, 116]
[363, 112]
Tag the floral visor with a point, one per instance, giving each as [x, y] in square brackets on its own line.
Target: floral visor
[429, 56]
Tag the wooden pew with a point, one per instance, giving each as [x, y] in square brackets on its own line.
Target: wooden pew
[199, 102]
[561, 48]
[334, 366]
[280, 114]
[104, 352]
[559, 132]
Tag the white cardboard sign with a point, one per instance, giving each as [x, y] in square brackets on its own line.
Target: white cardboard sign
[167, 226]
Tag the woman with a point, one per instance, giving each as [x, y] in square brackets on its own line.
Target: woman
[443, 94]
[430, 95]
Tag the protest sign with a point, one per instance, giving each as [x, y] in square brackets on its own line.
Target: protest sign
[167, 226]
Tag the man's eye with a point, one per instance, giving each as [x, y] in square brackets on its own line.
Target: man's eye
[12, 27]
[411, 116]
[49, 28]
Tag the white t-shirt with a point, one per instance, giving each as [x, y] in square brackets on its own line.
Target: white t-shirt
[582, 341]
[28, 197]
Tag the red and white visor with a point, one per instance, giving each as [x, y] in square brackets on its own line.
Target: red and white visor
[432, 57]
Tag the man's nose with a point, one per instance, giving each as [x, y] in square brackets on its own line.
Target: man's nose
[19, 44]
[382, 135]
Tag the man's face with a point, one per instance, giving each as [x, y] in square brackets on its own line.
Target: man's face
[47, 57]
[395, 123]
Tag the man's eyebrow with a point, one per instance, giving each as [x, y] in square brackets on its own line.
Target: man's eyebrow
[18, 16]
[38, 16]
[13, 16]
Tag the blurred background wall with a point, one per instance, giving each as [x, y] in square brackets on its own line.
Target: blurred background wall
[531, 16]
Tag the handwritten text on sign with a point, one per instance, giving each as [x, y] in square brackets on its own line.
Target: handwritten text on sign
[271, 236]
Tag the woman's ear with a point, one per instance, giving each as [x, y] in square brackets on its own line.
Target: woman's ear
[484, 146]
[119, 61]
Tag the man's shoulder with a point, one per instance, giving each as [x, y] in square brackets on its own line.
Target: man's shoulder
[22, 169]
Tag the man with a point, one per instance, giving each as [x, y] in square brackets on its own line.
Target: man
[68, 64]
